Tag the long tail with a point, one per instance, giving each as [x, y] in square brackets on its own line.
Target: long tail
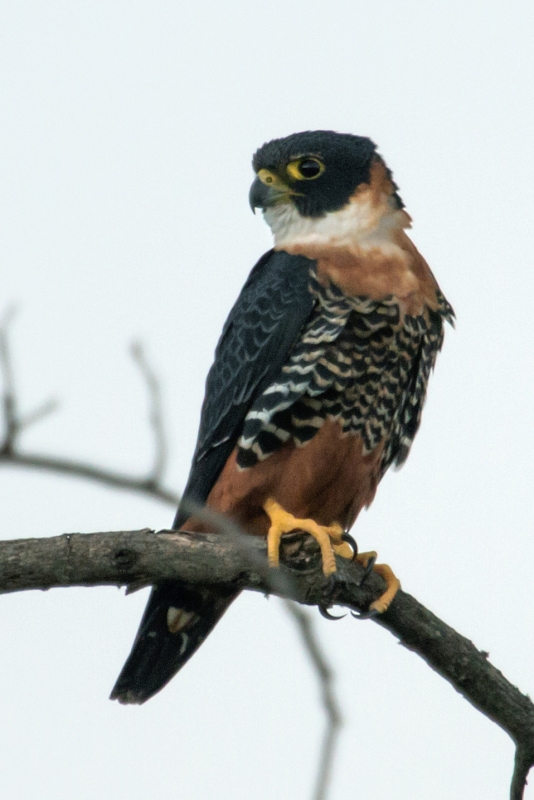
[175, 623]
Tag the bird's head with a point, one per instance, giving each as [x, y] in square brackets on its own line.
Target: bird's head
[308, 176]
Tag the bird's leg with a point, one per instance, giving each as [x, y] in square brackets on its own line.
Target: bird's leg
[367, 560]
[329, 537]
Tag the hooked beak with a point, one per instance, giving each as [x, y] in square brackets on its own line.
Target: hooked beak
[264, 196]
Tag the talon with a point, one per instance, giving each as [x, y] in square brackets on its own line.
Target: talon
[332, 539]
[328, 591]
[326, 614]
[369, 614]
[371, 561]
[352, 542]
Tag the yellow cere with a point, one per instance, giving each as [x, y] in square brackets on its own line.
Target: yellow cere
[271, 179]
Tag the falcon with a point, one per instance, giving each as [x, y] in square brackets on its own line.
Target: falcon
[318, 382]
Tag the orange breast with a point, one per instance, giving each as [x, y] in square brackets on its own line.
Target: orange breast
[329, 480]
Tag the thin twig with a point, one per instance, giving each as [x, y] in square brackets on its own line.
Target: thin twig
[42, 411]
[8, 397]
[78, 469]
[14, 423]
[155, 412]
[334, 719]
[152, 486]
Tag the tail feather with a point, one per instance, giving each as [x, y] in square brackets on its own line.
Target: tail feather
[175, 623]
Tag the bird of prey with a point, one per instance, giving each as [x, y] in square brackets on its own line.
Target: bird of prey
[318, 382]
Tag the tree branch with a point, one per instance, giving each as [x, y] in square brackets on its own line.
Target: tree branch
[152, 486]
[328, 697]
[14, 424]
[155, 412]
[142, 557]
[138, 558]
[79, 469]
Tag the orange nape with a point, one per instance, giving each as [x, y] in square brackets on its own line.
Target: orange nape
[329, 539]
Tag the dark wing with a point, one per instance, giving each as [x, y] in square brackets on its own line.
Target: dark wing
[175, 623]
[257, 338]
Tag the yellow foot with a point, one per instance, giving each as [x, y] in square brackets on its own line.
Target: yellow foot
[392, 582]
[328, 537]
[344, 549]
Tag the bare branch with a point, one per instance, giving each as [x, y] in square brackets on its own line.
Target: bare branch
[42, 411]
[8, 398]
[155, 412]
[152, 486]
[334, 719]
[79, 469]
[141, 557]
[14, 424]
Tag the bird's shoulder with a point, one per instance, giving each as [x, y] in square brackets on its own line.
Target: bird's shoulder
[258, 334]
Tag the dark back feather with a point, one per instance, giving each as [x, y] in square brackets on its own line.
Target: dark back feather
[257, 338]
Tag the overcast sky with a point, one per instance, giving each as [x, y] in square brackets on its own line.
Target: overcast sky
[126, 135]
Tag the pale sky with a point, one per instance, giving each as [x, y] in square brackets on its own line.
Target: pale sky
[126, 132]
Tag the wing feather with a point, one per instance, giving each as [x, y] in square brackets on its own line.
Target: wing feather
[256, 340]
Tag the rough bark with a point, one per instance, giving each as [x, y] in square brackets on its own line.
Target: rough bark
[137, 558]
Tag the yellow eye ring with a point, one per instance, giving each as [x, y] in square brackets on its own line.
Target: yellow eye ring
[307, 168]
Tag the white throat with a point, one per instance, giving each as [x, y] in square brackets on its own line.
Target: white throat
[360, 225]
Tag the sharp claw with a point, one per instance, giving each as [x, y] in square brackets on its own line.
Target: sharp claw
[328, 591]
[365, 614]
[346, 537]
[330, 585]
[326, 614]
[368, 570]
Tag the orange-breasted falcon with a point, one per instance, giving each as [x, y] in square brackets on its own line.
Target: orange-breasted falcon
[318, 382]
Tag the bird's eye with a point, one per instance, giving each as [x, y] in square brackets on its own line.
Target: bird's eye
[305, 169]
[310, 168]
